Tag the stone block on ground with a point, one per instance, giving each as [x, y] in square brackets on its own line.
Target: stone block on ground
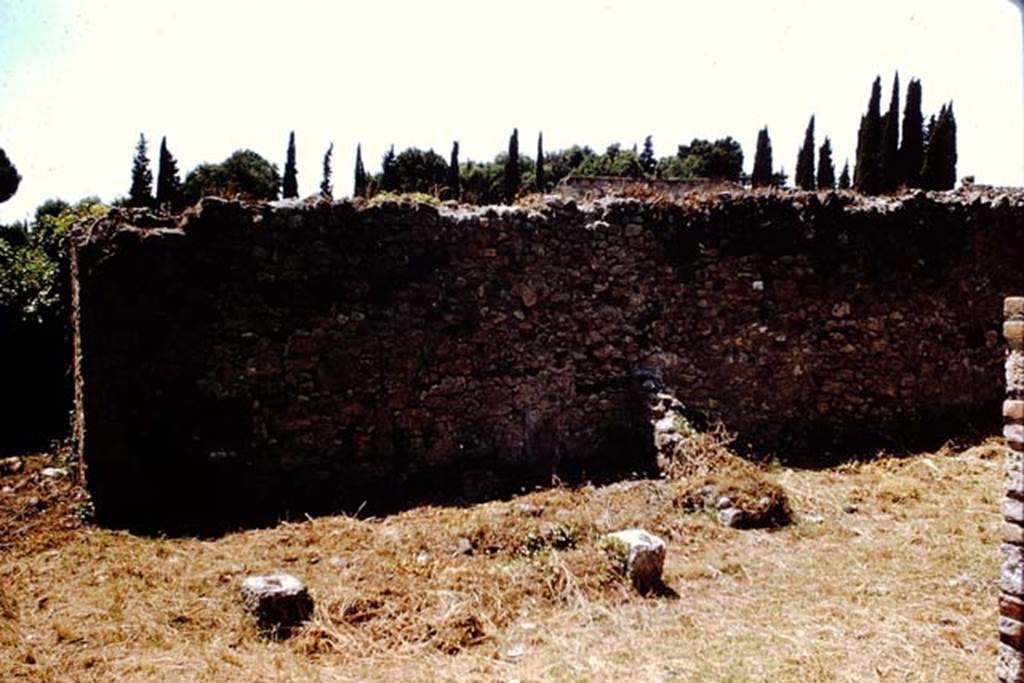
[279, 602]
[640, 556]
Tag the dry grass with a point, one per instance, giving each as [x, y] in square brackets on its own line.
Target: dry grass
[903, 589]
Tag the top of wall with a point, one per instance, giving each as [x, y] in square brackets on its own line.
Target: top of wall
[693, 207]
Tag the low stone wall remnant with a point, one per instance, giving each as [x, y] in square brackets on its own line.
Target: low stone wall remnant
[1011, 601]
[293, 357]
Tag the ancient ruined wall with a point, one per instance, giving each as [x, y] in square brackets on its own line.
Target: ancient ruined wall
[304, 357]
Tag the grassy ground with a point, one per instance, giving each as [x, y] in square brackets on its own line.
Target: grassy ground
[902, 589]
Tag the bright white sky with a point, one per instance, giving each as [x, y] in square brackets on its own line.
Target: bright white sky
[80, 80]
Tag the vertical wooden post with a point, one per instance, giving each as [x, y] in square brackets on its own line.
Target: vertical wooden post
[1011, 600]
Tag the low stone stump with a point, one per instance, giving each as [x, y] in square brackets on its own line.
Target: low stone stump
[640, 556]
[280, 603]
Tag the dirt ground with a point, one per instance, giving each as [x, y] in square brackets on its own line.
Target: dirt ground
[888, 573]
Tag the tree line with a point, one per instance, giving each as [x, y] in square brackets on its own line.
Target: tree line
[247, 174]
[891, 154]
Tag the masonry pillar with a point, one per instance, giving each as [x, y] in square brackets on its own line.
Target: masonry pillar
[1011, 600]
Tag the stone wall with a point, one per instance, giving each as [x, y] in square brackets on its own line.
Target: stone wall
[259, 359]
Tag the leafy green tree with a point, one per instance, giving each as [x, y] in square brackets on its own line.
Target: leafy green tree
[761, 174]
[454, 190]
[539, 169]
[419, 170]
[51, 208]
[359, 188]
[168, 183]
[718, 160]
[911, 155]
[9, 178]
[326, 188]
[291, 175]
[805, 160]
[561, 163]
[483, 182]
[388, 174]
[648, 162]
[940, 156]
[512, 168]
[844, 177]
[141, 192]
[868, 176]
[890, 140]
[615, 162]
[244, 174]
[826, 169]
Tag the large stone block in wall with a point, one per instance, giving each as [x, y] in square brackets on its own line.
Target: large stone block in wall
[284, 358]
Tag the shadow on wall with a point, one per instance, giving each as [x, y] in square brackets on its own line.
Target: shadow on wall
[225, 490]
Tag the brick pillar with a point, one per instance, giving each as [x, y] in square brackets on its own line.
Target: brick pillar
[1011, 600]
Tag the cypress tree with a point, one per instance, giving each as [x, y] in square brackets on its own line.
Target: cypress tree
[911, 156]
[844, 177]
[648, 162]
[868, 173]
[805, 160]
[951, 157]
[290, 184]
[940, 156]
[141, 192]
[387, 169]
[891, 140]
[9, 178]
[454, 180]
[326, 189]
[168, 183]
[761, 176]
[826, 169]
[932, 152]
[512, 168]
[540, 164]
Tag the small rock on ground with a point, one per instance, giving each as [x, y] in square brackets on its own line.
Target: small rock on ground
[642, 557]
[279, 602]
[11, 465]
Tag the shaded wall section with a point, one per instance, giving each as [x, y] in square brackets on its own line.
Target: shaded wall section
[284, 358]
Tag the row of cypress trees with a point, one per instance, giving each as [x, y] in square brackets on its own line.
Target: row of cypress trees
[805, 177]
[922, 157]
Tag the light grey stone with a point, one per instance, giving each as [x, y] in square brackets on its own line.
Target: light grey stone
[279, 603]
[1011, 579]
[1009, 665]
[732, 517]
[1013, 510]
[642, 555]
[11, 465]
